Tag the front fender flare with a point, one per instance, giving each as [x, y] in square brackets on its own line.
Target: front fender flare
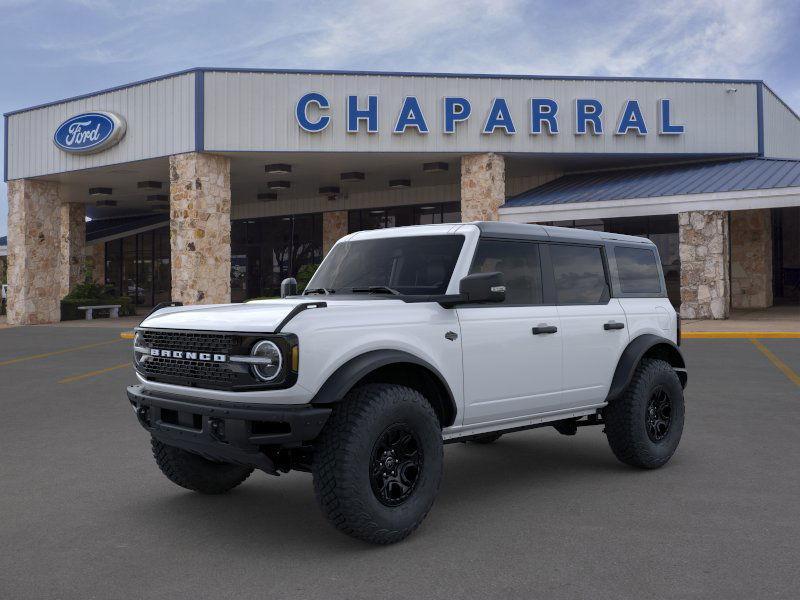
[658, 346]
[354, 370]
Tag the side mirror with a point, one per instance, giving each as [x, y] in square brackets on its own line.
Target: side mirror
[483, 287]
[288, 287]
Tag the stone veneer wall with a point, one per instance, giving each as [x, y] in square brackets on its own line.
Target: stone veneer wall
[200, 228]
[483, 186]
[72, 246]
[334, 227]
[703, 245]
[96, 259]
[751, 258]
[33, 252]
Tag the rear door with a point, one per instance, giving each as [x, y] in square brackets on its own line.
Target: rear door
[511, 351]
[593, 325]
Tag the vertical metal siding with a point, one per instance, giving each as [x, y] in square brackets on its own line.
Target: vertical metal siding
[160, 122]
[781, 128]
[255, 111]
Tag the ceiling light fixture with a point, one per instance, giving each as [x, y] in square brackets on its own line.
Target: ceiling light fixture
[329, 189]
[106, 203]
[100, 191]
[435, 167]
[267, 196]
[399, 183]
[279, 185]
[352, 176]
[149, 185]
[158, 198]
[277, 168]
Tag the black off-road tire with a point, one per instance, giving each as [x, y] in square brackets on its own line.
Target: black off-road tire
[486, 438]
[345, 460]
[196, 473]
[626, 418]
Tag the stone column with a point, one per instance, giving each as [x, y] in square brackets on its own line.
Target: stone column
[334, 227]
[200, 228]
[33, 252]
[703, 245]
[72, 246]
[751, 258]
[483, 186]
[96, 257]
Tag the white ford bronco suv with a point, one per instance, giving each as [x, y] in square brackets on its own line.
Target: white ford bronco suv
[406, 339]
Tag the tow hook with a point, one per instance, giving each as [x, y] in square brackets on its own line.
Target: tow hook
[217, 428]
[143, 414]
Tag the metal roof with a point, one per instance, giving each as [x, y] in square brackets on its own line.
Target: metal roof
[671, 180]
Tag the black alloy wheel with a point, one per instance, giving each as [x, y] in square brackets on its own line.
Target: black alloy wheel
[659, 414]
[395, 465]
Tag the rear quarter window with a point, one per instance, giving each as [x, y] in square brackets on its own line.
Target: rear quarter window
[637, 269]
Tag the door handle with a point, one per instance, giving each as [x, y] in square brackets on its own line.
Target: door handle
[544, 329]
[609, 326]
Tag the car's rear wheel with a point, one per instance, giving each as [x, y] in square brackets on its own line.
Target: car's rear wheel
[378, 463]
[193, 472]
[644, 426]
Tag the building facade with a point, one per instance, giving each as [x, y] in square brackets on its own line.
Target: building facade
[212, 185]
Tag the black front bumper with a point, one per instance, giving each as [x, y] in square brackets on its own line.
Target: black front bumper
[234, 432]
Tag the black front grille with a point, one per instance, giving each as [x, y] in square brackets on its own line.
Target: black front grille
[201, 373]
[210, 374]
[191, 341]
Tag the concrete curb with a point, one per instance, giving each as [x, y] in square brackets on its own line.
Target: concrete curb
[740, 335]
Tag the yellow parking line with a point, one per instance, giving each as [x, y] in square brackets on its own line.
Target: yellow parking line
[54, 353]
[93, 373]
[742, 335]
[782, 366]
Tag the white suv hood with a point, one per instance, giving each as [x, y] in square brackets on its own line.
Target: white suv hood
[260, 316]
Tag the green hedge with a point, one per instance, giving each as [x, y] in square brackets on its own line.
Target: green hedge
[70, 312]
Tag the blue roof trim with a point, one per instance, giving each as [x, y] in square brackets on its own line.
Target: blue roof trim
[760, 117]
[666, 180]
[379, 73]
[199, 110]
[5, 147]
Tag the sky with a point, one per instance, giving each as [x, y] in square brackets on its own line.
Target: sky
[56, 49]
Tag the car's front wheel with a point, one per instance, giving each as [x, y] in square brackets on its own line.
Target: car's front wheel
[378, 463]
[644, 425]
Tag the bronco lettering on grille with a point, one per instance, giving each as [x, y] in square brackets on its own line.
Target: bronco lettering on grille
[204, 356]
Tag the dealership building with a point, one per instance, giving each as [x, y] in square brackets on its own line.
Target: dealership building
[212, 185]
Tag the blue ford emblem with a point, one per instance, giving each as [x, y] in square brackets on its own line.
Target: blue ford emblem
[90, 132]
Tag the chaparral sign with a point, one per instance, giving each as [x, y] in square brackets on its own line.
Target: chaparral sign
[588, 116]
[90, 132]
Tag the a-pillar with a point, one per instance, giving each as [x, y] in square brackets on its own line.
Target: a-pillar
[334, 227]
[200, 228]
[34, 281]
[751, 258]
[72, 246]
[703, 246]
[483, 186]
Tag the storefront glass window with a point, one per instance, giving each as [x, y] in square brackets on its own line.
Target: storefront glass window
[399, 216]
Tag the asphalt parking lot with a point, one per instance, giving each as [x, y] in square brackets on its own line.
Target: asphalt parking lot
[85, 513]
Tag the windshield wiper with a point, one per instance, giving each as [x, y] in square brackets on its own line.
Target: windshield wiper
[320, 290]
[375, 289]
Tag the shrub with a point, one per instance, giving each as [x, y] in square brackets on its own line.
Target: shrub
[89, 293]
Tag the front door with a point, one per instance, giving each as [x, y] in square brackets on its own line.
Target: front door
[511, 351]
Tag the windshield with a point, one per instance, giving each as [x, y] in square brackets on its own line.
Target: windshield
[419, 265]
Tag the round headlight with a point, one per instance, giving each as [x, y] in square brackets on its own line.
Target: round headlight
[270, 367]
[138, 344]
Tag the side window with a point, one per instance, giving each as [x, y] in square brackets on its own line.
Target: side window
[638, 271]
[580, 277]
[519, 264]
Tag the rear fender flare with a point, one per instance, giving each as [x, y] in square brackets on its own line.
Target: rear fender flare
[640, 347]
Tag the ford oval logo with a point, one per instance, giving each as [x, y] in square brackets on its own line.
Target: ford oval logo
[90, 132]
